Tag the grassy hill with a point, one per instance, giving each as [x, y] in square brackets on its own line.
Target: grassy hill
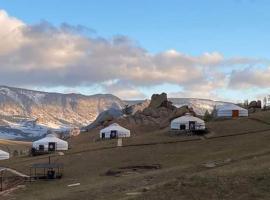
[231, 162]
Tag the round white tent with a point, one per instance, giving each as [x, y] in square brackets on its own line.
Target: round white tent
[230, 110]
[114, 131]
[4, 155]
[50, 143]
[188, 122]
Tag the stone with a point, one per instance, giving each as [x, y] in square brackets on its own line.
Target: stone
[157, 100]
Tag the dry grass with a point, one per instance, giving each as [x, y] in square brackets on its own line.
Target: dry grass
[181, 176]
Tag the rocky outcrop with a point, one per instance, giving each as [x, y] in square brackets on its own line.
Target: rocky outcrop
[157, 100]
[254, 106]
[158, 114]
[106, 117]
[132, 109]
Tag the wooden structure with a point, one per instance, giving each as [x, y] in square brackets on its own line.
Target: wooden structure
[46, 171]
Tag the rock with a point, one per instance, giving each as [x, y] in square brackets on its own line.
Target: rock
[252, 104]
[259, 104]
[105, 117]
[255, 104]
[157, 100]
[157, 115]
[130, 110]
[150, 112]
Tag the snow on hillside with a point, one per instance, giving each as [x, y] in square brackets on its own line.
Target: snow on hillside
[10, 136]
[200, 106]
[27, 129]
[51, 110]
[29, 114]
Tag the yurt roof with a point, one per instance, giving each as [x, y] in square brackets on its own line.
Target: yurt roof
[3, 152]
[188, 117]
[114, 126]
[229, 107]
[50, 138]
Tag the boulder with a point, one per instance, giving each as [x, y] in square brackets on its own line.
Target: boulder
[132, 109]
[157, 100]
[259, 104]
[255, 104]
[105, 117]
[252, 104]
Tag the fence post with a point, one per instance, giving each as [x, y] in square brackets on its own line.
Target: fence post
[1, 179]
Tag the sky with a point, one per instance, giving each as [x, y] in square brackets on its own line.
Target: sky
[132, 49]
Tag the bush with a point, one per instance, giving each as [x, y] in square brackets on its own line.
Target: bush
[207, 116]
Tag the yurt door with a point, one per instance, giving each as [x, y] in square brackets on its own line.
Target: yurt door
[103, 135]
[52, 146]
[182, 127]
[113, 134]
[191, 125]
[235, 113]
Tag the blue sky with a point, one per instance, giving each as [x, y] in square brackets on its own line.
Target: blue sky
[233, 28]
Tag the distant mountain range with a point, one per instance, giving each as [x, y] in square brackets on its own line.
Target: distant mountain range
[44, 110]
[27, 114]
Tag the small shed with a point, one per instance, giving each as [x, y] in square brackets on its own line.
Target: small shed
[50, 143]
[4, 155]
[46, 171]
[114, 131]
[188, 123]
[230, 110]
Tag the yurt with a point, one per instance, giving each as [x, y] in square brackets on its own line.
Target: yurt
[188, 122]
[4, 155]
[50, 143]
[114, 131]
[230, 110]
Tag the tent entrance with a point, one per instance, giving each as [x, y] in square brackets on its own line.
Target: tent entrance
[235, 113]
[182, 127]
[51, 146]
[102, 135]
[113, 134]
[192, 125]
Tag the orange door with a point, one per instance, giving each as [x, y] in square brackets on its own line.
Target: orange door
[235, 113]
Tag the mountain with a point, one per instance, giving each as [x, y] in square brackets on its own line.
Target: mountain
[31, 113]
[199, 105]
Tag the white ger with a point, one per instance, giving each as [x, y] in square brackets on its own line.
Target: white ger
[188, 122]
[230, 110]
[50, 143]
[114, 131]
[4, 155]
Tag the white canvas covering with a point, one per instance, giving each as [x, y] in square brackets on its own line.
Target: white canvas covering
[4, 155]
[227, 110]
[51, 138]
[187, 122]
[114, 131]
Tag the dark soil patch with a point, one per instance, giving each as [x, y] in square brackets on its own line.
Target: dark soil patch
[127, 170]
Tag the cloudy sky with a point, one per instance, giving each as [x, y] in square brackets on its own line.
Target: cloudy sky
[203, 49]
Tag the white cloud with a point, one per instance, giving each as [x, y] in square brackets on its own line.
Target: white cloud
[250, 77]
[44, 55]
[10, 33]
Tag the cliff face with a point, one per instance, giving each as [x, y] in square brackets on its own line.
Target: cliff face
[27, 113]
[55, 107]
